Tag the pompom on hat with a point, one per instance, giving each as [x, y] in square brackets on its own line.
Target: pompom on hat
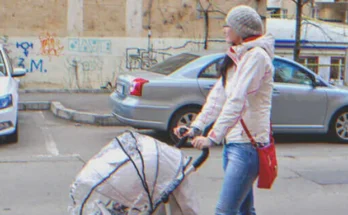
[245, 21]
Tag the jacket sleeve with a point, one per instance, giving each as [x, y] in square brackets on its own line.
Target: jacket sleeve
[247, 80]
[212, 107]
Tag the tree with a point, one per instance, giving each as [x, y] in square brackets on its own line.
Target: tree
[299, 7]
[206, 7]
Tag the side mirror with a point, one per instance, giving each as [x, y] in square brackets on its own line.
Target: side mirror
[19, 72]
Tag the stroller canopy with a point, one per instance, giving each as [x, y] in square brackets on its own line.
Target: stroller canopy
[130, 174]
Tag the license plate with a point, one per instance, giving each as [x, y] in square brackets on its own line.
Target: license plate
[119, 89]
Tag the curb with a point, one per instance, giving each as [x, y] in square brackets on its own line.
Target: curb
[65, 91]
[69, 114]
[23, 106]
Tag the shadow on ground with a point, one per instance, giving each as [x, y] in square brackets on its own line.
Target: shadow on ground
[302, 138]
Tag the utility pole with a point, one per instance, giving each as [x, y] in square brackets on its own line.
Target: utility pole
[299, 7]
[297, 48]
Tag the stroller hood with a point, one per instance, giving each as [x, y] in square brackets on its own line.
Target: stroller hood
[130, 173]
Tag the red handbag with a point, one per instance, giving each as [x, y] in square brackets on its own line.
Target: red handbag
[268, 165]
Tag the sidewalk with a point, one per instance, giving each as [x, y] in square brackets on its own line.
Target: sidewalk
[86, 102]
[82, 107]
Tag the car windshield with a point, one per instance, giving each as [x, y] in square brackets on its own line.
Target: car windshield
[172, 64]
[3, 71]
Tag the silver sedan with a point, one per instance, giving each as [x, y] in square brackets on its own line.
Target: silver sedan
[171, 93]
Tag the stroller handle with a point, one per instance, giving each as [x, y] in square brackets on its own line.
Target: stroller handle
[202, 158]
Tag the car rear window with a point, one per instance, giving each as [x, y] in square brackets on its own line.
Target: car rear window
[171, 64]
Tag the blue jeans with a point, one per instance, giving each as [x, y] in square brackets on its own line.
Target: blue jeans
[241, 167]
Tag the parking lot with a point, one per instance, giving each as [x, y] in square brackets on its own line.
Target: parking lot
[37, 171]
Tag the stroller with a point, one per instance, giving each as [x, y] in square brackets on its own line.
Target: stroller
[136, 175]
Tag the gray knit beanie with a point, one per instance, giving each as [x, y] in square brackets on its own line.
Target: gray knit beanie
[245, 21]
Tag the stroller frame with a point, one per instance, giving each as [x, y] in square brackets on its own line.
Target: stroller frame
[192, 168]
[189, 167]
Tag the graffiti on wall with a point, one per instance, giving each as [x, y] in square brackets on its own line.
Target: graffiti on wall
[85, 64]
[140, 58]
[80, 67]
[32, 66]
[96, 46]
[50, 45]
[137, 58]
[25, 46]
[26, 62]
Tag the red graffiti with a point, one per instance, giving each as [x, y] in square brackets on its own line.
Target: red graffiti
[50, 46]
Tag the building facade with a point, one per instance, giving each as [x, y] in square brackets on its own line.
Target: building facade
[325, 10]
[324, 43]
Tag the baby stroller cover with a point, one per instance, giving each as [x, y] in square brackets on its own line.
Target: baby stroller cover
[129, 176]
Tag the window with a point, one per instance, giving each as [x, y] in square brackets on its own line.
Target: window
[289, 73]
[337, 68]
[284, 13]
[3, 71]
[311, 63]
[211, 71]
[275, 12]
[172, 64]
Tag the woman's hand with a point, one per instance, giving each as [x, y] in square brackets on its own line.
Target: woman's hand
[190, 132]
[202, 142]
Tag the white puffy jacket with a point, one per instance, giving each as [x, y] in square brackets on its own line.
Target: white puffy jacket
[247, 95]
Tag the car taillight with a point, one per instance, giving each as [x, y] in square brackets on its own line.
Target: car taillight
[136, 88]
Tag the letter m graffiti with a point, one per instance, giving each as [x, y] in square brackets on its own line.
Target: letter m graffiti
[36, 66]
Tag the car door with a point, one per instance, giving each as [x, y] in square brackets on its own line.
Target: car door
[208, 77]
[297, 106]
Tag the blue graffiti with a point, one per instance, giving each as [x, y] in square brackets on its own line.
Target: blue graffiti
[34, 65]
[21, 62]
[37, 66]
[90, 46]
[25, 46]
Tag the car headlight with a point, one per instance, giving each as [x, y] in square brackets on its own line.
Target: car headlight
[6, 101]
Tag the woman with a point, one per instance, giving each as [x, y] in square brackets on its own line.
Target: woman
[244, 91]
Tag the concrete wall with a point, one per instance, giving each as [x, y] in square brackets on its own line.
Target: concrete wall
[32, 17]
[181, 18]
[115, 18]
[83, 43]
[88, 62]
[331, 13]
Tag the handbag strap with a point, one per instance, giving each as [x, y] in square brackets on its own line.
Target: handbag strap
[252, 140]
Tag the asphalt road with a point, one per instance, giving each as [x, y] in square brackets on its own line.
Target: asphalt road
[36, 172]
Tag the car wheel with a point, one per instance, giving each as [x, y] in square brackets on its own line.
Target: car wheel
[13, 138]
[339, 126]
[184, 116]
